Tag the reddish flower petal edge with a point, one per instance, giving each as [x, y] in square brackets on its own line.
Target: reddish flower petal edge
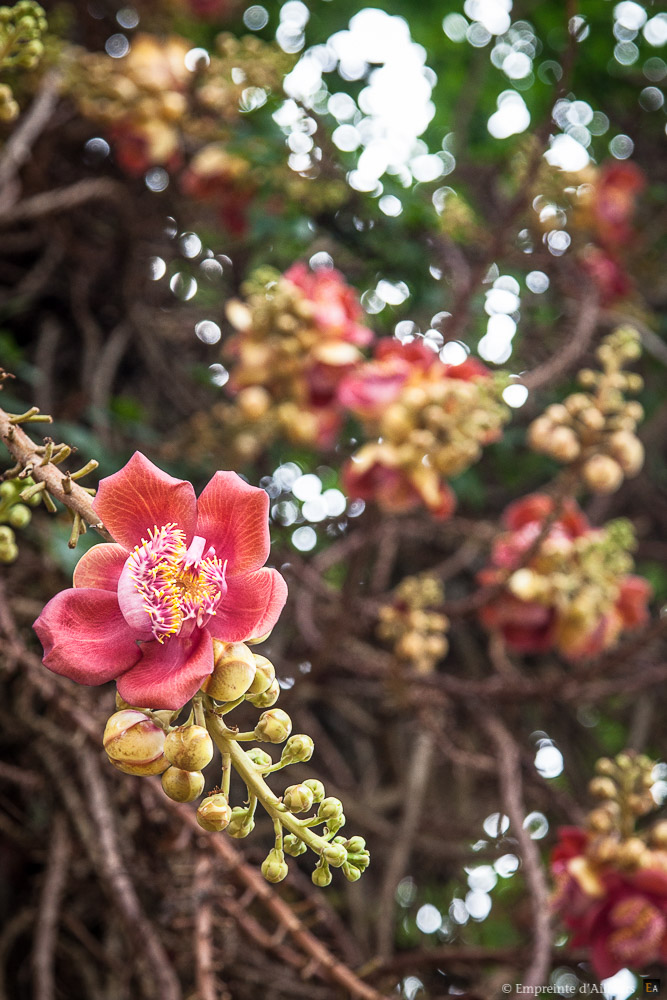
[233, 517]
[169, 674]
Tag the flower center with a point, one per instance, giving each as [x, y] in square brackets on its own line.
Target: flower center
[167, 589]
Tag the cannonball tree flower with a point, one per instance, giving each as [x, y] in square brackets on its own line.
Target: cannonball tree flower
[145, 609]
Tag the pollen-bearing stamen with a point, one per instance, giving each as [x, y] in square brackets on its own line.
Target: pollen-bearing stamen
[175, 588]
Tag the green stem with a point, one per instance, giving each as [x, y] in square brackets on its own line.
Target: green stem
[226, 775]
[226, 744]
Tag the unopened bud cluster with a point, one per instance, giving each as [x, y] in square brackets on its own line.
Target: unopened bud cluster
[21, 47]
[411, 624]
[144, 742]
[595, 429]
[14, 514]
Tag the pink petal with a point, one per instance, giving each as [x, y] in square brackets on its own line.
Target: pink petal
[139, 497]
[170, 673]
[251, 606]
[100, 567]
[233, 517]
[85, 636]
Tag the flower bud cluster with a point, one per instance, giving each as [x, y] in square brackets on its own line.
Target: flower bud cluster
[572, 590]
[298, 335]
[611, 879]
[14, 514]
[431, 421]
[594, 430]
[21, 29]
[411, 624]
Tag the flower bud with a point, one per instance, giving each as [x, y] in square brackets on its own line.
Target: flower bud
[233, 671]
[253, 402]
[605, 766]
[241, 823]
[259, 757]
[267, 698]
[274, 726]
[659, 833]
[322, 876]
[19, 516]
[539, 434]
[260, 638]
[330, 808]
[264, 677]
[628, 451]
[134, 744]
[214, 813]
[355, 845]
[317, 788]
[603, 788]
[335, 854]
[297, 798]
[274, 866]
[182, 786]
[602, 474]
[631, 852]
[298, 749]
[351, 873]
[294, 846]
[189, 748]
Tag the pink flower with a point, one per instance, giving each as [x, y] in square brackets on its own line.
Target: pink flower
[376, 474]
[182, 572]
[335, 306]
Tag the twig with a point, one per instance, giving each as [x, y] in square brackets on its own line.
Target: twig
[509, 773]
[48, 911]
[19, 146]
[203, 930]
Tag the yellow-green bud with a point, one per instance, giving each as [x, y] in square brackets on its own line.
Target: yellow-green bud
[297, 798]
[351, 873]
[274, 866]
[19, 516]
[294, 846]
[182, 786]
[134, 744]
[214, 813]
[322, 876]
[189, 748]
[233, 671]
[241, 824]
[259, 757]
[274, 726]
[335, 854]
[317, 788]
[355, 845]
[330, 808]
[267, 698]
[264, 676]
[603, 788]
[298, 749]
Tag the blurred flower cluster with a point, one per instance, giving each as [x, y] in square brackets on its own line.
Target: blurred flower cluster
[611, 880]
[413, 625]
[564, 585]
[431, 420]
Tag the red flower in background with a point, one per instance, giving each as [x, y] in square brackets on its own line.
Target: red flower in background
[336, 309]
[182, 572]
[552, 599]
[620, 916]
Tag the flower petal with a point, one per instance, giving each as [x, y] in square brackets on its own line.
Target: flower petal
[251, 606]
[139, 497]
[170, 673]
[85, 636]
[100, 567]
[233, 517]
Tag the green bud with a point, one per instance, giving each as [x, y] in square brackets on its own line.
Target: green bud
[335, 823]
[19, 516]
[274, 726]
[274, 866]
[182, 786]
[241, 824]
[322, 876]
[298, 749]
[317, 788]
[214, 813]
[330, 808]
[351, 873]
[189, 748]
[265, 675]
[267, 698]
[298, 798]
[7, 536]
[7, 488]
[335, 854]
[259, 757]
[355, 845]
[294, 846]
[9, 553]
